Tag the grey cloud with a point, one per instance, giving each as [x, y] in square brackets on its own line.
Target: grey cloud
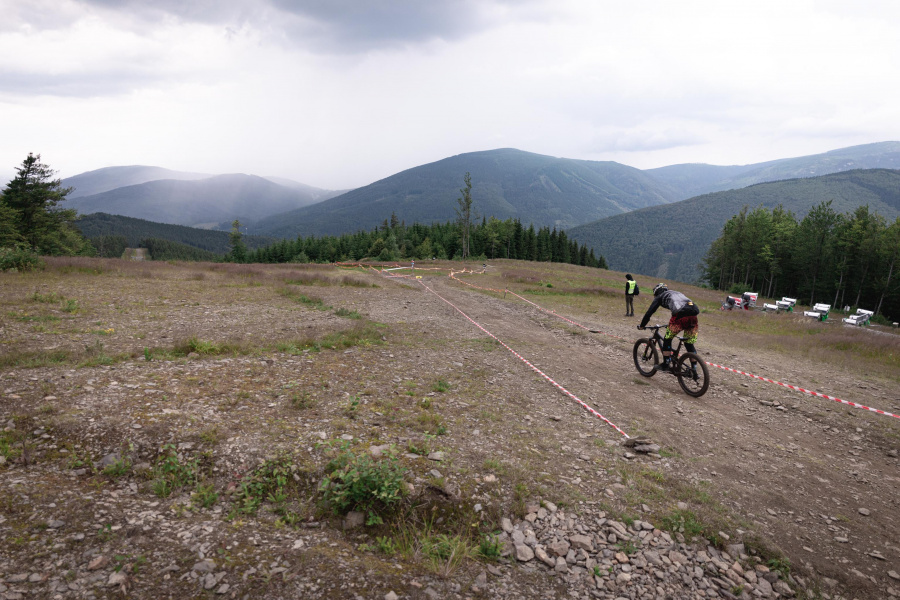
[334, 26]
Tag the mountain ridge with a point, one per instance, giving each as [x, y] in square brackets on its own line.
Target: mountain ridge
[507, 183]
[208, 202]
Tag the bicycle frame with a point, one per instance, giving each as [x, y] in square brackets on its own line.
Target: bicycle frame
[687, 367]
[658, 341]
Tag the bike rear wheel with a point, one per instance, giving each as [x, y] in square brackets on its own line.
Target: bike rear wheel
[645, 357]
[693, 376]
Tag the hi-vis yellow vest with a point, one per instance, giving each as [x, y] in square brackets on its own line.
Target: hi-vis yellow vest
[631, 284]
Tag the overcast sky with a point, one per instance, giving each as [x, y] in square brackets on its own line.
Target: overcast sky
[341, 93]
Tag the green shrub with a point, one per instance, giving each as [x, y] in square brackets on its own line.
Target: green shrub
[170, 473]
[21, 259]
[490, 547]
[118, 468]
[205, 495]
[359, 482]
[268, 482]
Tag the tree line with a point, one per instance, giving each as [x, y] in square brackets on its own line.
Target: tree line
[396, 241]
[841, 259]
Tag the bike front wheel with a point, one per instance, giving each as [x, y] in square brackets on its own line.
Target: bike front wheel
[645, 357]
[693, 376]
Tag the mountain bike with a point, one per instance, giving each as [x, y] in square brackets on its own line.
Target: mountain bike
[689, 368]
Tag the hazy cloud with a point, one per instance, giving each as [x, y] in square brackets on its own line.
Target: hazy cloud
[340, 93]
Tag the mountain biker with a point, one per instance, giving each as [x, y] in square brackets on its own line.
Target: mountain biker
[684, 320]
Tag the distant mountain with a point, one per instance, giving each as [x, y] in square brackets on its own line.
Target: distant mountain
[670, 241]
[690, 180]
[316, 193]
[110, 178]
[204, 202]
[136, 230]
[506, 183]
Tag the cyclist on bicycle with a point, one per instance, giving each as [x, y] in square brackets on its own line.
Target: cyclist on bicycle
[684, 320]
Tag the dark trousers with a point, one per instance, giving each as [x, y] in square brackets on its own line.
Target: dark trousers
[629, 304]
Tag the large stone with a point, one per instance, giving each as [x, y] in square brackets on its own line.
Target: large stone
[205, 566]
[784, 589]
[647, 448]
[109, 460]
[582, 542]
[542, 556]
[379, 451]
[764, 587]
[561, 565]
[354, 519]
[559, 548]
[524, 553]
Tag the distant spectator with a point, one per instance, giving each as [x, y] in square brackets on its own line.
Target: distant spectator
[631, 290]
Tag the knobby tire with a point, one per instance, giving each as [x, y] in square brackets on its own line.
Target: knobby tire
[687, 383]
[645, 357]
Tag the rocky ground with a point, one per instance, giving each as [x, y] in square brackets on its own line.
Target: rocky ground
[147, 406]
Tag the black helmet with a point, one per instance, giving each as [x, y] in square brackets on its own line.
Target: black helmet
[659, 288]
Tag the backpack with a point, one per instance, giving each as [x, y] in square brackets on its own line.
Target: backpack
[637, 290]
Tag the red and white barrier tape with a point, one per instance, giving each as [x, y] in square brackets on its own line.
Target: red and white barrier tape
[533, 368]
[766, 379]
[806, 391]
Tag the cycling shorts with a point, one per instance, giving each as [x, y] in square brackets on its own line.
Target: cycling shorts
[689, 326]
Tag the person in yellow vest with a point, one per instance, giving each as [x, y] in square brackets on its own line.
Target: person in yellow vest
[630, 293]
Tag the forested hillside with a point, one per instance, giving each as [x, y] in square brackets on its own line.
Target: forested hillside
[670, 241]
[848, 259]
[507, 184]
[135, 230]
[690, 180]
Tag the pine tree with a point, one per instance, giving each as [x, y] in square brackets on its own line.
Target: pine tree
[238, 251]
[32, 197]
[464, 215]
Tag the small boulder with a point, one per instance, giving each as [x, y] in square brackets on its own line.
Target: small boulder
[354, 519]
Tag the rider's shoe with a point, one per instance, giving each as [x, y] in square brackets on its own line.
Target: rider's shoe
[694, 374]
[664, 367]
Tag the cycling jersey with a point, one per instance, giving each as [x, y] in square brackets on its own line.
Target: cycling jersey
[678, 303]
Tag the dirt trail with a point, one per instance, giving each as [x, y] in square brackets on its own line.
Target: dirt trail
[798, 473]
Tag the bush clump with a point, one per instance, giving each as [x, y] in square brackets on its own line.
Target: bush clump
[359, 482]
[21, 259]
